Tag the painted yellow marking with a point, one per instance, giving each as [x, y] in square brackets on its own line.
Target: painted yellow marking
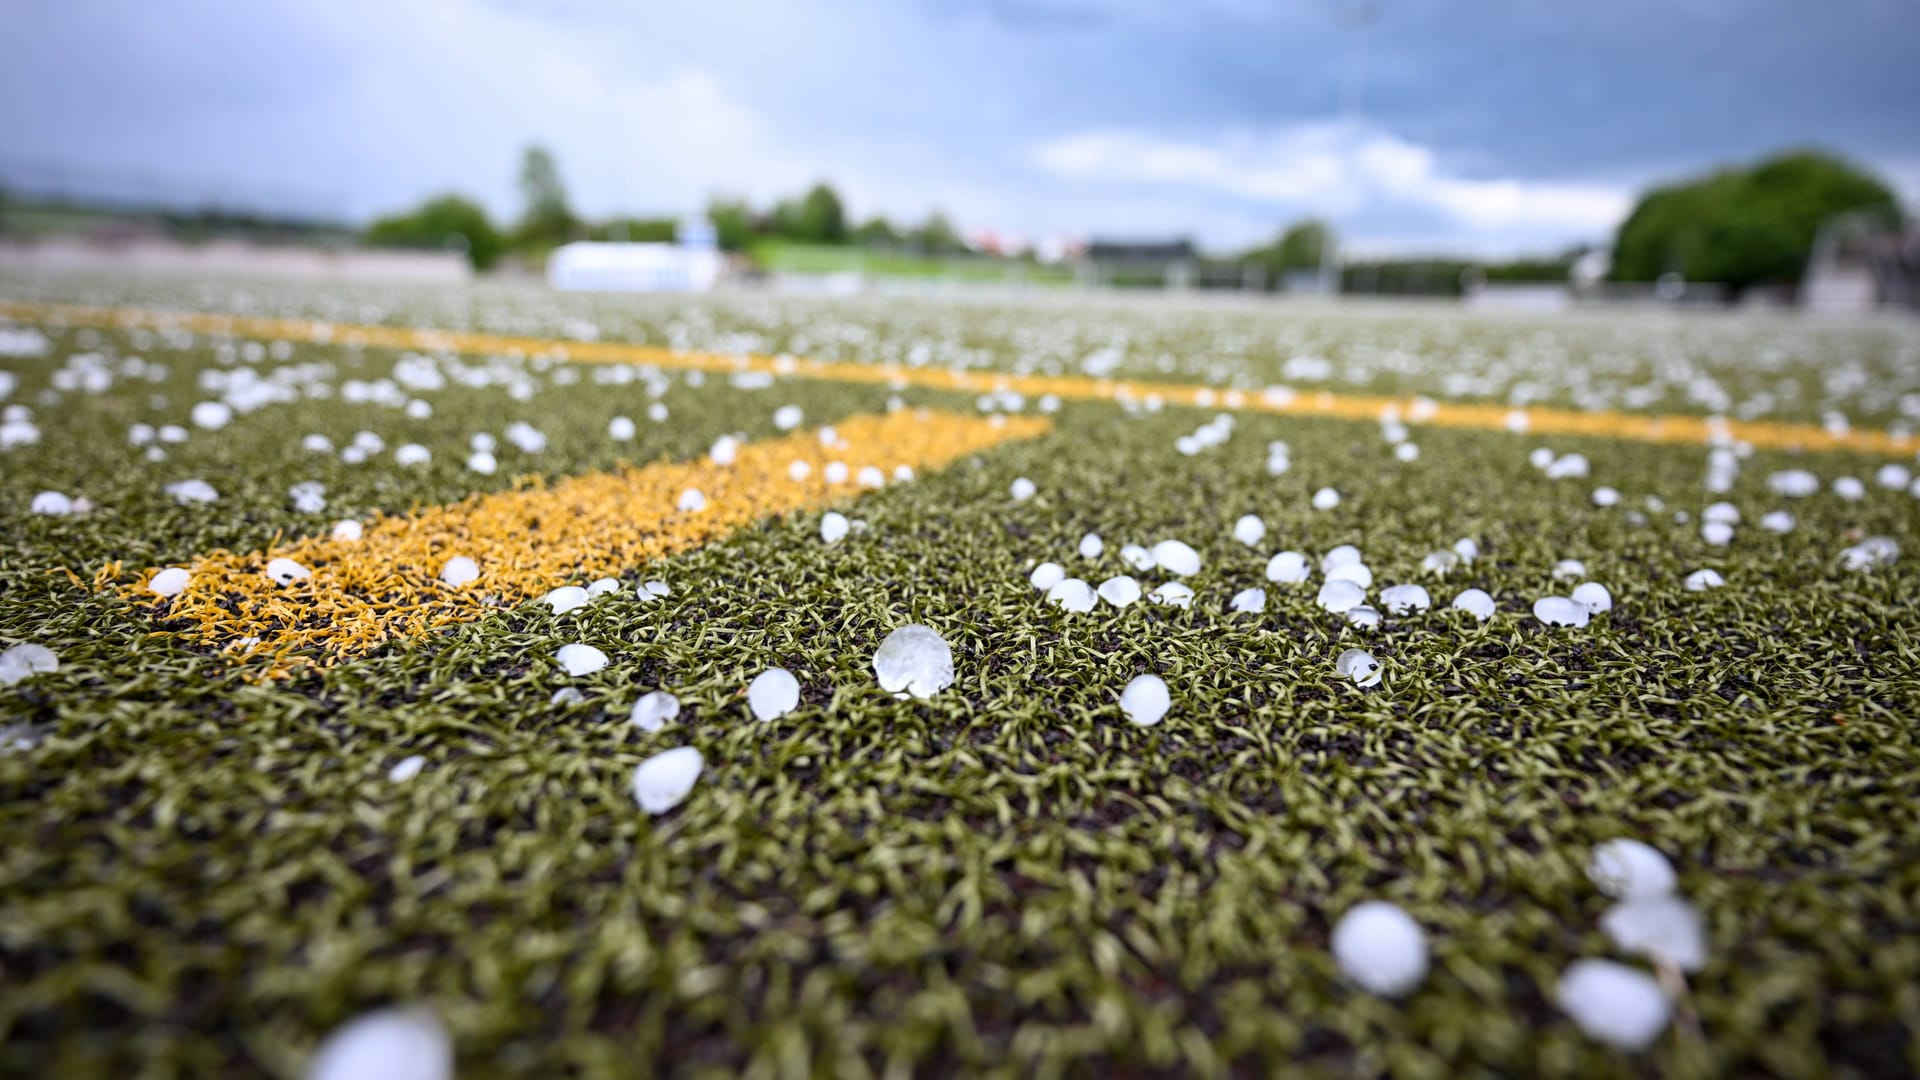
[387, 584]
[1539, 420]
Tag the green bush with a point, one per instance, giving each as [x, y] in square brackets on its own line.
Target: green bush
[449, 221]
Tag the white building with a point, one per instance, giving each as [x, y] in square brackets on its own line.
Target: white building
[694, 264]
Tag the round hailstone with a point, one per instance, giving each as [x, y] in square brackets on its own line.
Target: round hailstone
[835, 472]
[772, 694]
[1357, 572]
[725, 449]
[1343, 555]
[914, 660]
[1248, 602]
[664, 780]
[1561, 611]
[1288, 568]
[1119, 591]
[1779, 522]
[387, 1044]
[24, 661]
[1363, 616]
[1569, 568]
[1360, 666]
[1405, 599]
[1338, 596]
[1022, 489]
[692, 501]
[1593, 596]
[406, 769]
[1723, 512]
[1621, 1006]
[51, 503]
[1606, 496]
[1874, 551]
[1894, 477]
[566, 697]
[1250, 530]
[1137, 558]
[833, 526]
[482, 462]
[657, 412]
[1702, 580]
[1467, 548]
[1439, 562]
[1176, 558]
[1794, 483]
[169, 582]
[411, 454]
[602, 586]
[1380, 948]
[654, 709]
[653, 590]
[621, 429]
[566, 598]
[1091, 546]
[798, 470]
[1407, 451]
[1146, 700]
[316, 444]
[1047, 575]
[1568, 466]
[577, 659]
[286, 571]
[1172, 594]
[870, 476]
[1326, 499]
[1072, 594]
[1664, 929]
[459, 570]
[1850, 488]
[1476, 603]
[188, 492]
[1630, 870]
[309, 496]
[347, 530]
[418, 410]
[1717, 533]
[212, 415]
[1540, 457]
[788, 417]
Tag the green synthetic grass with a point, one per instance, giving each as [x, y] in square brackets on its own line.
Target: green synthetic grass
[204, 874]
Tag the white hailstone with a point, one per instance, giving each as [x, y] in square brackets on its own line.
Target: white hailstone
[654, 589]
[316, 444]
[1326, 499]
[772, 694]
[1874, 551]
[1561, 611]
[1172, 594]
[833, 526]
[1047, 575]
[1176, 557]
[1288, 568]
[309, 496]
[657, 412]
[25, 661]
[409, 454]
[347, 531]
[602, 586]
[1850, 488]
[914, 660]
[418, 410]
[566, 697]
[172, 433]
[1360, 666]
[1146, 700]
[1621, 1006]
[1357, 572]
[1119, 591]
[1364, 616]
[621, 429]
[835, 472]
[1022, 489]
[212, 415]
[1717, 533]
[692, 501]
[386, 1044]
[1794, 483]
[870, 476]
[1338, 596]
[1467, 548]
[653, 710]
[1723, 512]
[1439, 562]
[483, 441]
[1702, 580]
[353, 455]
[369, 442]
[798, 470]
[902, 474]
[725, 449]
[286, 571]
[1405, 599]
[169, 582]
[829, 436]
[1338, 557]
[1248, 602]
[1476, 603]
[459, 570]
[1091, 546]
[406, 769]
[566, 598]
[1250, 530]
[1893, 476]
[788, 417]
[1569, 568]
[1568, 466]
[187, 492]
[482, 462]
[1606, 496]
[1664, 929]
[578, 659]
[1139, 559]
[1380, 948]
[140, 435]
[1627, 869]
[664, 780]
[1777, 521]
[1072, 594]
[1540, 457]
[1407, 451]
[51, 504]
[1593, 596]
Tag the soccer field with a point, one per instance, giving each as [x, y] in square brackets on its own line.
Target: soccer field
[318, 769]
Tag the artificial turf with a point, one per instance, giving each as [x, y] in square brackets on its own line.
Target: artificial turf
[206, 870]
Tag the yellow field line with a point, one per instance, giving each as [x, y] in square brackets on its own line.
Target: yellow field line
[387, 584]
[1538, 420]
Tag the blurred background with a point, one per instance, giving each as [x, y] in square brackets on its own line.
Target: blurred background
[1496, 152]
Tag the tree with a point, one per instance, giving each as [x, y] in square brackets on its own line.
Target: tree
[823, 219]
[877, 231]
[1302, 246]
[449, 221]
[548, 220]
[732, 223]
[937, 236]
[1743, 227]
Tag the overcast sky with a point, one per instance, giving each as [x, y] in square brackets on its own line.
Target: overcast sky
[1480, 126]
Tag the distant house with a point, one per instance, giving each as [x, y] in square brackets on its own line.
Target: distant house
[1130, 262]
[1861, 262]
[694, 264]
